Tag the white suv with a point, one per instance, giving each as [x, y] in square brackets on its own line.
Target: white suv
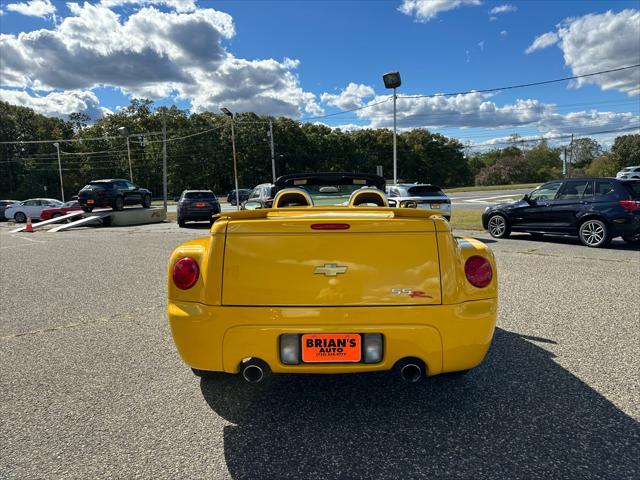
[424, 195]
[631, 173]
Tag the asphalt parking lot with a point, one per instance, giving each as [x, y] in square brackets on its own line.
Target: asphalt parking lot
[92, 386]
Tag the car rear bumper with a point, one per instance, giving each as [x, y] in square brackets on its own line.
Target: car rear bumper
[446, 337]
[627, 226]
[198, 214]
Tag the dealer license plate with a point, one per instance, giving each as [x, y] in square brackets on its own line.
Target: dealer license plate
[199, 204]
[334, 347]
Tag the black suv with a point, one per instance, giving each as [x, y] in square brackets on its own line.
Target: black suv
[115, 193]
[243, 193]
[593, 209]
[197, 205]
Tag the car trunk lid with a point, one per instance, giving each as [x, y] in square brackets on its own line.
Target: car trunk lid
[331, 258]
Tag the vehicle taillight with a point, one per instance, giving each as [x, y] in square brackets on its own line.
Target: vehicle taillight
[330, 226]
[185, 273]
[630, 205]
[478, 271]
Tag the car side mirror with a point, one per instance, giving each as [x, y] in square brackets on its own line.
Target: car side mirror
[527, 198]
[252, 206]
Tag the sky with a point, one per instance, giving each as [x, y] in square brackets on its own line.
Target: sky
[323, 61]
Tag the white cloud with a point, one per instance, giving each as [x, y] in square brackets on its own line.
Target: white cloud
[481, 45]
[178, 5]
[503, 9]
[543, 41]
[477, 110]
[425, 10]
[504, 33]
[33, 8]
[57, 103]
[598, 42]
[350, 97]
[153, 54]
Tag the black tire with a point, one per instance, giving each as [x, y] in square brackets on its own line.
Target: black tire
[632, 239]
[181, 223]
[498, 226]
[594, 233]
[20, 217]
[118, 204]
[56, 215]
[87, 209]
[146, 201]
[536, 235]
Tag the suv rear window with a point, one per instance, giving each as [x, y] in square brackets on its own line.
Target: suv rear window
[200, 196]
[105, 185]
[425, 191]
[633, 188]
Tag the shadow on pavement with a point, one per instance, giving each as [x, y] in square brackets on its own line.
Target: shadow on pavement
[519, 415]
[616, 243]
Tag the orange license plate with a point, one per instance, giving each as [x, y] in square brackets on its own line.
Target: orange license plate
[199, 204]
[90, 202]
[334, 347]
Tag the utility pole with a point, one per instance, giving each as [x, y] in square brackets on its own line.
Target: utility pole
[57, 145]
[229, 114]
[564, 163]
[570, 158]
[395, 153]
[273, 158]
[164, 157]
[129, 157]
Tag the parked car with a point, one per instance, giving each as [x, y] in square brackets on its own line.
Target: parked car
[3, 205]
[420, 195]
[305, 288]
[197, 205]
[632, 172]
[593, 209]
[261, 195]
[114, 193]
[30, 208]
[243, 193]
[53, 212]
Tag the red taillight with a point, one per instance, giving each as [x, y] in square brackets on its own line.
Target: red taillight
[185, 273]
[330, 226]
[478, 271]
[630, 205]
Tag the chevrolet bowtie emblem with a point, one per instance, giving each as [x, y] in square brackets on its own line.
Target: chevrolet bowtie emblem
[330, 270]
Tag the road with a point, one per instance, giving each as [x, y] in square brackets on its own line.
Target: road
[92, 386]
[458, 199]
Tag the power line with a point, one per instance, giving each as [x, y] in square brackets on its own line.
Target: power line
[522, 85]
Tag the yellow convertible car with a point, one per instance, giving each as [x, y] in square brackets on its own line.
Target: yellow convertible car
[332, 279]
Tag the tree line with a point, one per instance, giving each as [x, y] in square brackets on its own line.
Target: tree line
[199, 152]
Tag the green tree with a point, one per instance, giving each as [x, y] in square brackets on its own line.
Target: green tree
[627, 150]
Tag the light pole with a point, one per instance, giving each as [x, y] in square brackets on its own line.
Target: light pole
[228, 113]
[273, 159]
[57, 145]
[125, 133]
[392, 80]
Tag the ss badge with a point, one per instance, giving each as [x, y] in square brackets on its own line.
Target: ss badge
[407, 292]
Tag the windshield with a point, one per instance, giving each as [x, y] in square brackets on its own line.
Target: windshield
[330, 194]
[200, 196]
[425, 191]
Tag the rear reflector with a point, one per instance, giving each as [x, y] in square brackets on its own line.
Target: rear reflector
[478, 271]
[185, 273]
[330, 226]
[630, 205]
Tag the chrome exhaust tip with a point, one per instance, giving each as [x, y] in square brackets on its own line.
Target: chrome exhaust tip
[254, 370]
[411, 370]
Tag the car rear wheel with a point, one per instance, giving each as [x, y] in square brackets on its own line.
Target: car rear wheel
[20, 217]
[87, 209]
[594, 233]
[146, 201]
[181, 222]
[498, 226]
[118, 204]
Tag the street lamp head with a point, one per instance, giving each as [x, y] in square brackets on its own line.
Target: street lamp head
[56, 144]
[227, 112]
[124, 131]
[392, 80]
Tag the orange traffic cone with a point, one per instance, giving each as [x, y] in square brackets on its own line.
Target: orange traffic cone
[29, 226]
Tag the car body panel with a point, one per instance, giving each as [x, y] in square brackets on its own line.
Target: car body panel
[103, 193]
[449, 332]
[68, 207]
